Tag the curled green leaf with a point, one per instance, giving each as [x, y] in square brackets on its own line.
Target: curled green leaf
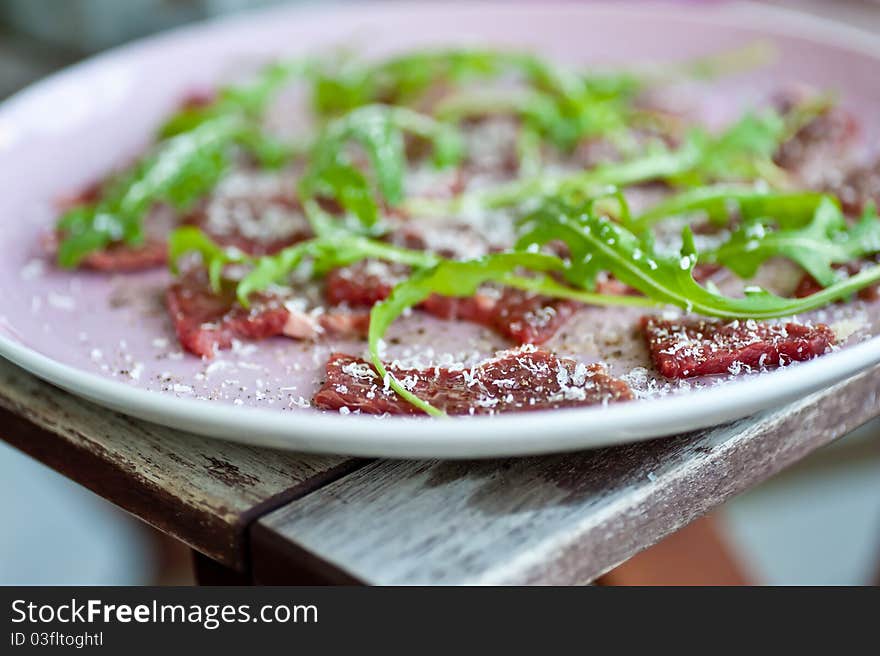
[597, 243]
[817, 246]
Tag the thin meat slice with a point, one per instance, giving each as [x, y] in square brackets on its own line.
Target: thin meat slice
[119, 257]
[827, 135]
[256, 211]
[695, 347]
[253, 225]
[528, 318]
[206, 321]
[524, 317]
[363, 284]
[514, 381]
[198, 99]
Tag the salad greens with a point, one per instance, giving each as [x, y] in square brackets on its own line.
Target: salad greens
[595, 243]
[823, 242]
[194, 152]
[180, 171]
[599, 244]
[250, 99]
[379, 131]
[743, 152]
[196, 145]
[407, 79]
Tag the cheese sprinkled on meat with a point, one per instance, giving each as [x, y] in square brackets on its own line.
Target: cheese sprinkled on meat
[687, 348]
[513, 381]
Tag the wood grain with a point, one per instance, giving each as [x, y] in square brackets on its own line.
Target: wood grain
[202, 491]
[563, 519]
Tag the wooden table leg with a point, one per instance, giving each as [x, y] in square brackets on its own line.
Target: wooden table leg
[694, 555]
[209, 572]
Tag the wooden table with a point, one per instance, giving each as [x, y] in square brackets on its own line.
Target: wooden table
[264, 516]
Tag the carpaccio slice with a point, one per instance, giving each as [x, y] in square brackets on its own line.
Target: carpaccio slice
[364, 283]
[255, 211]
[205, 321]
[523, 317]
[121, 258]
[529, 318]
[696, 347]
[513, 381]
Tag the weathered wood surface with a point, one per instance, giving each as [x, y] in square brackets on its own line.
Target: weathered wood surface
[204, 492]
[563, 519]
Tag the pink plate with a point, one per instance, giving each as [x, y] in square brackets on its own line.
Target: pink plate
[107, 338]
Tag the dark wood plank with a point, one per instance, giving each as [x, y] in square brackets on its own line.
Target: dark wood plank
[561, 519]
[204, 492]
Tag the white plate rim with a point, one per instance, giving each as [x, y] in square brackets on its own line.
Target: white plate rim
[505, 435]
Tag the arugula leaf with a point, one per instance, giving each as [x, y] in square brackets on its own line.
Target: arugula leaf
[379, 130]
[346, 84]
[215, 258]
[727, 62]
[742, 152]
[559, 104]
[562, 120]
[568, 107]
[247, 102]
[598, 244]
[720, 202]
[812, 230]
[823, 242]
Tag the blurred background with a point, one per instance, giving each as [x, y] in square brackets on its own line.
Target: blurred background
[817, 523]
